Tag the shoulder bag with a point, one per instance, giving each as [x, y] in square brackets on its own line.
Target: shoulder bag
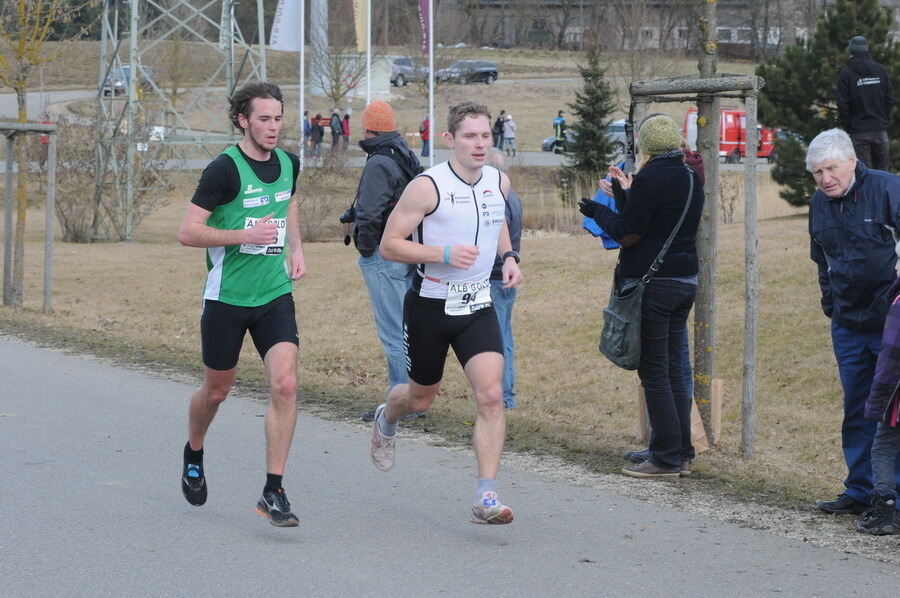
[620, 338]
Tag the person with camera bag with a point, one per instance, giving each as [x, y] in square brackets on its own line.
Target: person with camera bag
[390, 165]
[665, 195]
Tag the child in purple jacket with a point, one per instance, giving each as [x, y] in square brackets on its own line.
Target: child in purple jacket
[882, 406]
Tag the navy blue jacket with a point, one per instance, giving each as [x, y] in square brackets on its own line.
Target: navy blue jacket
[853, 243]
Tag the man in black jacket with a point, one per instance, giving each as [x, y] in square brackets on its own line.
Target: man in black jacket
[865, 99]
[854, 227]
[389, 167]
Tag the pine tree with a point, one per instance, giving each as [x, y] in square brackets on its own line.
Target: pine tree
[799, 95]
[590, 153]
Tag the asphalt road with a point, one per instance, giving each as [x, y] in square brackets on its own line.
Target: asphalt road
[92, 507]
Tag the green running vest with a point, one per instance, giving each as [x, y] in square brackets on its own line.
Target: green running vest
[251, 275]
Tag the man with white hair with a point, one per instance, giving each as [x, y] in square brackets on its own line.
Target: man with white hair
[854, 225]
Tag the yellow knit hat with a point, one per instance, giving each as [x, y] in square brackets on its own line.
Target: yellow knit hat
[379, 117]
[659, 134]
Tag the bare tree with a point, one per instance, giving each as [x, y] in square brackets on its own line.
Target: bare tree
[639, 49]
[338, 72]
[768, 19]
[562, 17]
[25, 26]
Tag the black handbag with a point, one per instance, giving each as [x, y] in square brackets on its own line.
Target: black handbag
[620, 338]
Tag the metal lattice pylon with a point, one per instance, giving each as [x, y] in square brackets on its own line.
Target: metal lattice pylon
[143, 138]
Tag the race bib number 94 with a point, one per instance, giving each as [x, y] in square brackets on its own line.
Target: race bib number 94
[464, 298]
[276, 248]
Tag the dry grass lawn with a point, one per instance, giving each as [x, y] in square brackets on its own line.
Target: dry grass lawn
[140, 301]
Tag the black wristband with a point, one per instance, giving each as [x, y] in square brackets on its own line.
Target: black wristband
[513, 254]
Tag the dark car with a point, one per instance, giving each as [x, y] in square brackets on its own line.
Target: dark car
[614, 130]
[404, 70]
[469, 71]
[116, 81]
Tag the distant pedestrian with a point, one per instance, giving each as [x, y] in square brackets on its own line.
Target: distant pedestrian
[865, 99]
[509, 136]
[497, 130]
[307, 131]
[337, 130]
[345, 131]
[317, 132]
[559, 127]
[425, 133]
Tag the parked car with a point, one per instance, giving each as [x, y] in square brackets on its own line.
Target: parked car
[614, 130]
[116, 81]
[469, 71]
[404, 70]
[733, 135]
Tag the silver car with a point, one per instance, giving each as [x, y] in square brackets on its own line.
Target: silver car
[404, 70]
[116, 82]
[614, 130]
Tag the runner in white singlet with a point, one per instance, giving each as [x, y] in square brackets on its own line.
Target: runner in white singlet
[454, 214]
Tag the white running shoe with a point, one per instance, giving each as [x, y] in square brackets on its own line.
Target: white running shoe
[382, 449]
[490, 510]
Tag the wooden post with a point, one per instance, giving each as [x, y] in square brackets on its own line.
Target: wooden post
[640, 113]
[49, 215]
[10, 130]
[7, 221]
[748, 390]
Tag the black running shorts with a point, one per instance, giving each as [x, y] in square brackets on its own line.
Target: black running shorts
[223, 326]
[428, 332]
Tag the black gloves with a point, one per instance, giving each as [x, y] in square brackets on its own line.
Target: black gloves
[590, 208]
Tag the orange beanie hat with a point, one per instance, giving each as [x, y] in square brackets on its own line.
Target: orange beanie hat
[379, 117]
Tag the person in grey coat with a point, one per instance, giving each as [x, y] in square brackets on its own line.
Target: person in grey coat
[390, 165]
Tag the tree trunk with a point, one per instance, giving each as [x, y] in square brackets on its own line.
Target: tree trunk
[708, 146]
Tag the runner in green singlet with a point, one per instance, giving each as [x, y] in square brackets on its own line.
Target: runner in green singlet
[244, 213]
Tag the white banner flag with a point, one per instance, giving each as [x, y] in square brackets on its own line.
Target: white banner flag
[286, 34]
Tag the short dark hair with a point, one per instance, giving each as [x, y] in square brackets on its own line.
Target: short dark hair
[465, 110]
[241, 100]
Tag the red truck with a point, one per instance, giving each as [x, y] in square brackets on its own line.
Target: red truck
[732, 135]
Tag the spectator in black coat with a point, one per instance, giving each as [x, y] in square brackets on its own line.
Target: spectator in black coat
[645, 218]
[865, 99]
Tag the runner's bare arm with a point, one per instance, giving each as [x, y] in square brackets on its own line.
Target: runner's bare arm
[418, 199]
[298, 261]
[194, 232]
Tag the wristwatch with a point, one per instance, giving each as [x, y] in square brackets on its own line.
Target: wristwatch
[513, 254]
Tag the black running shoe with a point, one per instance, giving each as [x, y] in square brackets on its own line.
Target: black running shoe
[193, 484]
[274, 506]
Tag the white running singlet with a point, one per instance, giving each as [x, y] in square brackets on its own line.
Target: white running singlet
[465, 215]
